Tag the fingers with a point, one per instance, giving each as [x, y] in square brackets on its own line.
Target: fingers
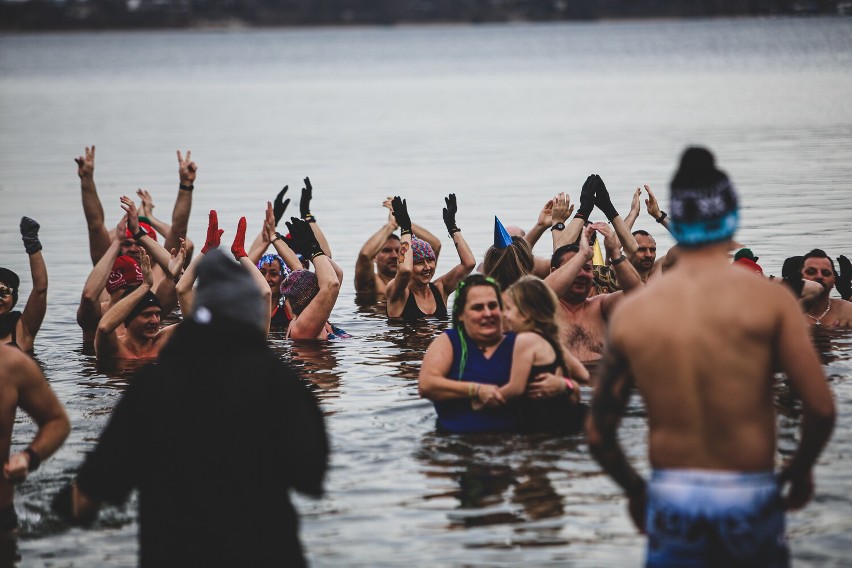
[180, 158]
[90, 155]
[189, 156]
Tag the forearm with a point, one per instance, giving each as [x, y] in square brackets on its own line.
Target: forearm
[92, 207]
[622, 230]
[627, 275]
[99, 275]
[375, 243]
[116, 315]
[570, 234]
[51, 435]
[36, 307]
[323, 242]
[815, 432]
[534, 234]
[180, 219]
[155, 250]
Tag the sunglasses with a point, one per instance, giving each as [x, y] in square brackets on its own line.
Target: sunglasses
[5, 291]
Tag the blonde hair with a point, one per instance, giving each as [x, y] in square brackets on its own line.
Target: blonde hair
[539, 304]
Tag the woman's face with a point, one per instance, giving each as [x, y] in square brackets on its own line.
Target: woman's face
[424, 270]
[481, 317]
[274, 276]
[515, 320]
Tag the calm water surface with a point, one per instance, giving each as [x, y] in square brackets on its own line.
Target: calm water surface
[504, 116]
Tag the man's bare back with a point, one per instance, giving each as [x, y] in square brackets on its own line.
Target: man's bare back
[705, 369]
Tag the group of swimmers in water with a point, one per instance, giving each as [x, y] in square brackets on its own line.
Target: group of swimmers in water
[525, 330]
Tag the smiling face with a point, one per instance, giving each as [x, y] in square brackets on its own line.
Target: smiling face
[481, 316]
[274, 276]
[146, 324]
[819, 270]
[424, 270]
[583, 282]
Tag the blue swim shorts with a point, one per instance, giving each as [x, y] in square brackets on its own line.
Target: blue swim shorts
[715, 518]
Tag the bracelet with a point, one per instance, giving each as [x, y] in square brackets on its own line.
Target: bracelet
[662, 216]
[560, 226]
[309, 218]
[316, 254]
[619, 260]
[185, 187]
[404, 232]
[469, 390]
[35, 460]
[453, 231]
[139, 234]
[569, 386]
[278, 237]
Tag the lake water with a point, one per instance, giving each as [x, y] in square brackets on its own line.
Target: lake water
[505, 116]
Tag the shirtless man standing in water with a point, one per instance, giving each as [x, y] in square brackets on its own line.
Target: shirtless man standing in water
[705, 372]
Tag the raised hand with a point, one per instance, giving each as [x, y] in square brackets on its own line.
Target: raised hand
[843, 282]
[238, 248]
[652, 205]
[305, 202]
[29, 234]
[177, 260]
[270, 221]
[280, 205]
[545, 216]
[450, 214]
[146, 202]
[635, 204]
[603, 201]
[132, 214]
[304, 240]
[186, 170]
[387, 204]
[585, 239]
[121, 228]
[145, 266]
[400, 213]
[86, 163]
[611, 242]
[587, 197]
[562, 207]
[214, 233]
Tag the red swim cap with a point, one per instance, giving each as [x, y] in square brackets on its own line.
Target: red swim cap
[125, 272]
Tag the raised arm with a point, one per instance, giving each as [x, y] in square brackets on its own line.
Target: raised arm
[635, 206]
[313, 318]
[89, 311]
[106, 341]
[544, 222]
[560, 212]
[38, 400]
[365, 276]
[560, 280]
[238, 249]
[587, 204]
[305, 211]
[654, 210]
[155, 250]
[397, 287]
[610, 398]
[467, 262]
[146, 209]
[33, 314]
[99, 237]
[187, 171]
[627, 275]
[603, 201]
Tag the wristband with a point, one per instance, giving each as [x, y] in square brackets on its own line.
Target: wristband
[404, 232]
[569, 386]
[316, 254]
[619, 260]
[35, 460]
[662, 216]
[278, 237]
[309, 218]
[139, 234]
[185, 187]
[558, 227]
[453, 231]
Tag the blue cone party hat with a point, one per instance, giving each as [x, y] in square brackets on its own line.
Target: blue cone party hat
[501, 236]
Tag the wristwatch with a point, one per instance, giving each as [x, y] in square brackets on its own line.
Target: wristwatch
[558, 227]
[619, 260]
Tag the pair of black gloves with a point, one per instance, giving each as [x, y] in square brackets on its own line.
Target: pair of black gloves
[791, 272]
[280, 204]
[400, 213]
[594, 194]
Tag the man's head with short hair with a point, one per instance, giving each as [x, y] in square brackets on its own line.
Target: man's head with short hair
[817, 266]
[387, 259]
[646, 254]
[583, 283]
[143, 320]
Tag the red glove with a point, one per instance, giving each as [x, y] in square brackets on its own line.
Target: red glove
[239, 246]
[214, 233]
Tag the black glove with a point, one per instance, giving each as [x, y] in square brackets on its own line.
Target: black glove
[587, 197]
[400, 213]
[843, 282]
[791, 272]
[603, 200]
[29, 234]
[305, 202]
[450, 214]
[304, 240]
[279, 206]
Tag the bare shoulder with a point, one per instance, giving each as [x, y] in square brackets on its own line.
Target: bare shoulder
[16, 366]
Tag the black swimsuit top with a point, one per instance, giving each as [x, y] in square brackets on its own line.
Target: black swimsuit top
[550, 367]
[412, 311]
[9, 326]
